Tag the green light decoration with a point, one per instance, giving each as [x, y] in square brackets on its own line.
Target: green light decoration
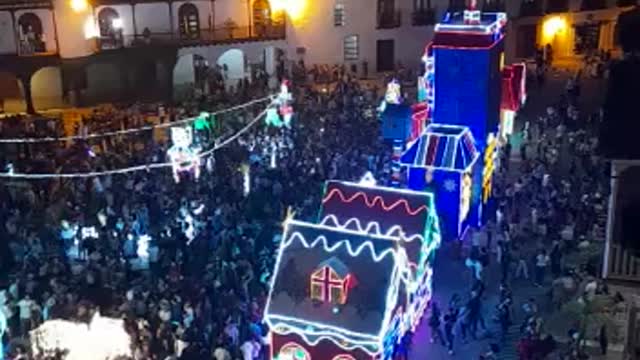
[202, 121]
[273, 118]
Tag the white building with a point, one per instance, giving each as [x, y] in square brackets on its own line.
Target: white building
[67, 52]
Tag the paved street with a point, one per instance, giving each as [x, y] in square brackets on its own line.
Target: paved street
[451, 276]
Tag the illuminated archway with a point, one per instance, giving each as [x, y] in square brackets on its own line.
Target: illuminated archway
[293, 351]
[46, 88]
[190, 70]
[232, 63]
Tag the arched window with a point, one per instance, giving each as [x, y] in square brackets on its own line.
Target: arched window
[344, 357]
[189, 21]
[109, 22]
[293, 351]
[261, 17]
[31, 34]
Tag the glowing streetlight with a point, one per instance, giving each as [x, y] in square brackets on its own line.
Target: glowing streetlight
[79, 5]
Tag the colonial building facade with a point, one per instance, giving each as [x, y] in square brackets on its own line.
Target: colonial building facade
[58, 53]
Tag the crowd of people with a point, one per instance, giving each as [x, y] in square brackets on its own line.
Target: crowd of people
[212, 240]
[551, 206]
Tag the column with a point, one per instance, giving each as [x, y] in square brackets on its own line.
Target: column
[616, 168]
[25, 79]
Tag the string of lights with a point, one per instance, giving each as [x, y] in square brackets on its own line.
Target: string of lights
[146, 167]
[132, 130]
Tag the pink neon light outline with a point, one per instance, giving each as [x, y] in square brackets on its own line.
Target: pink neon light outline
[470, 47]
[372, 203]
[294, 345]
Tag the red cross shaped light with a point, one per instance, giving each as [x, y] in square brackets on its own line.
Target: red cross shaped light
[327, 284]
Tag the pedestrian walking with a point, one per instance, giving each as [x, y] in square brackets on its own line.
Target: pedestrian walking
[434, 324]
[449, 324]
[542, 261]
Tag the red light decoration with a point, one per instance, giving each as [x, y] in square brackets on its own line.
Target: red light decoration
[373, 202]
[326, 280]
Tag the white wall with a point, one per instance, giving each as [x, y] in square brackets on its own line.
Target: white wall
[324, 41]
[46, 17]
[205, 10]
[237, 10]
[7, 37]
[154, 16]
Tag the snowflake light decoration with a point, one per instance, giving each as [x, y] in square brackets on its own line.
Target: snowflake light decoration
[182, 154]
[450, 185]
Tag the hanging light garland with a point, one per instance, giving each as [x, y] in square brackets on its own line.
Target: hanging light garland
[147, 167]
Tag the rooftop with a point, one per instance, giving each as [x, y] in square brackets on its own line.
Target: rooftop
[449, 147]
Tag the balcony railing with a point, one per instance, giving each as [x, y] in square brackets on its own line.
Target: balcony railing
[557, 6]
[623, 264]
[389, 20]
[494, 6]
[216, 36]
[33, 48]
[590, 5]
[423, 17]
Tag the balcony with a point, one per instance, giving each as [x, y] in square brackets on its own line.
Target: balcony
[215, 36]
[591, 5]
[531, 8]
[557, 6]
[389, 20]
[423, 17]
[494, 6]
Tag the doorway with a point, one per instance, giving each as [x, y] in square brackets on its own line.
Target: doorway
[189, 21]
[385, 55]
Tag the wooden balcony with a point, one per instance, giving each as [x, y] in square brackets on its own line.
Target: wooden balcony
[530, 8]
[389, 20]
[216, 36]
[423, 17]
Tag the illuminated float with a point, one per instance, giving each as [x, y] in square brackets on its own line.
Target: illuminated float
[446, 162]
[350, 286]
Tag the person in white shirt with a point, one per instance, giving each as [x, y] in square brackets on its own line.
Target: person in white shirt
[221, 353]
[542, 261]
[25, 306]
[250, 350]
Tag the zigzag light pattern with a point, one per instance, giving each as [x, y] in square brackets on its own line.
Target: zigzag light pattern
[322, 240]
[376, 200]
[372, 227]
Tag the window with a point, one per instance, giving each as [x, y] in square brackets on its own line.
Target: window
[294, 351]
[189, 21]
[331, 281]
[344, 357]
[351, 48]
[338, 15]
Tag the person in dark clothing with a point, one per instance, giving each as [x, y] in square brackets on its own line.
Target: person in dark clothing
[449, 323]
[434, 324]
[603, 340]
